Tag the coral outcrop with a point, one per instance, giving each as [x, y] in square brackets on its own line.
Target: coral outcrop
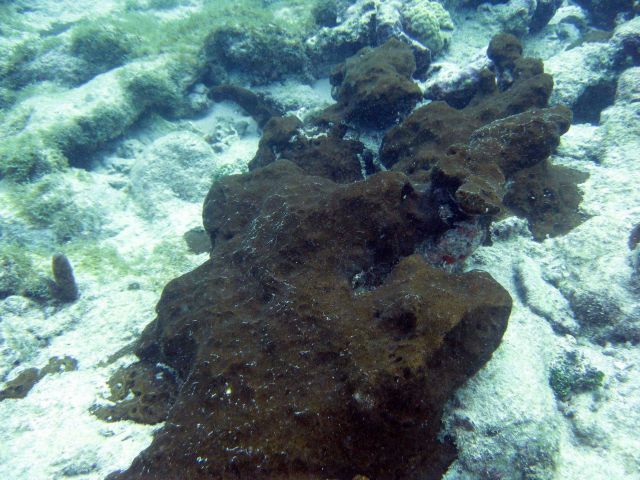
[374, 87]
[268, 52]
[494, 151]
[428, 22]
[323, 336]
[327, 155]
[314, 344]
[424, 26]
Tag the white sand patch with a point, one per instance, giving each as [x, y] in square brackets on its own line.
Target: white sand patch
[51, 434]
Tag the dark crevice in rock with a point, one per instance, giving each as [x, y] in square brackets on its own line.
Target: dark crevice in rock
[256, 106]
[603, 13]
[545, 9]
[593, 101]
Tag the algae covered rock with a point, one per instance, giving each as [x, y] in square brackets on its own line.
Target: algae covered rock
[428, 22]
[321, 339]
[143, 392]
[21, 385]
[197, 240]
[159, 84]
[50, 131]
[277, 135]
[327, 155]
[504, 49]
[374, 87]
[548, 196]
[280, 357]
[267, 52]
[102, 46]
[493, 152]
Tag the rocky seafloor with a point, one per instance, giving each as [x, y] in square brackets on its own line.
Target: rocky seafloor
[319, 239]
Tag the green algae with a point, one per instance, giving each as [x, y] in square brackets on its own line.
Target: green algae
[155, 35]
[172, 54]
[26, 157]
[51, 203]
[21, 272]
[572, 375]
[101, 44]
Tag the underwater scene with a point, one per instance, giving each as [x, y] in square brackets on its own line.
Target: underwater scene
[319, 240]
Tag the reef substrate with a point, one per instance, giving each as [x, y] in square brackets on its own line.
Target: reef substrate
[332, 321]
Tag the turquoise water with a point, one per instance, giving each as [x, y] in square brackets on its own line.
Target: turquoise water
[319, 239]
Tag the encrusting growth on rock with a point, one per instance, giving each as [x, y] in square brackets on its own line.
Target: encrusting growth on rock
[323, 336]
[282, 359]
[493, 154]
[374, 87]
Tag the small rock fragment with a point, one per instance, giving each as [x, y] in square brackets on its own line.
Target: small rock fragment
[20, 386]
[64, 287]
